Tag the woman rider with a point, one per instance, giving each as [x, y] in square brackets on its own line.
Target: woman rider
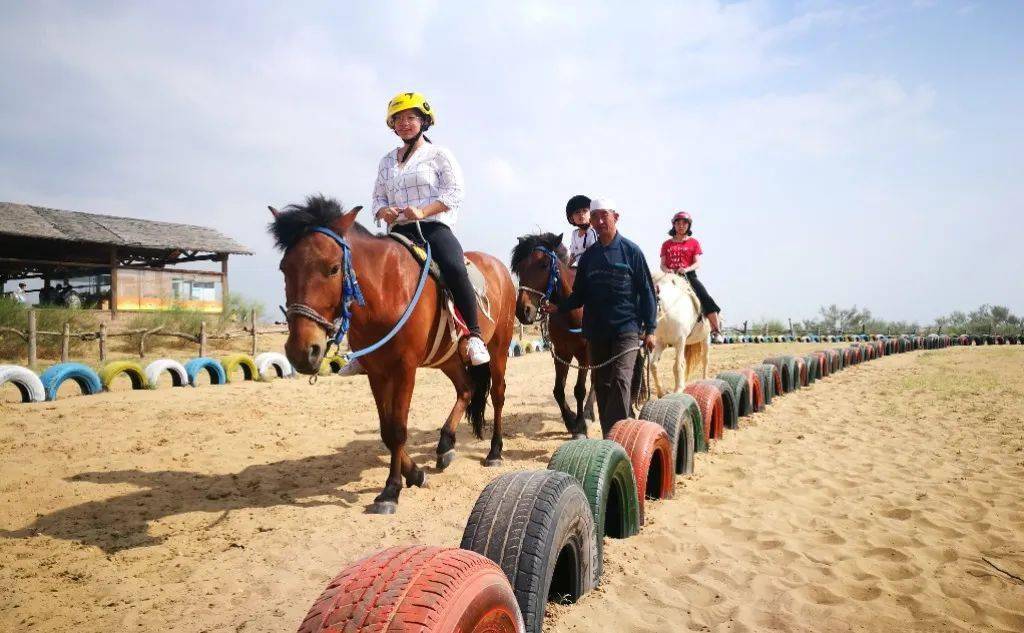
[420, 181]
[681, 255]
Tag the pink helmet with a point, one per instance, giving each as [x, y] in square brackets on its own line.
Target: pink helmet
[682, 215]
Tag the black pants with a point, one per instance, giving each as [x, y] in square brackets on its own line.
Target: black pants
[447, 252]
[707, 304]
[612, 382]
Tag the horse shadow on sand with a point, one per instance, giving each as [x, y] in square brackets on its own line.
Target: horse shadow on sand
[122, 522]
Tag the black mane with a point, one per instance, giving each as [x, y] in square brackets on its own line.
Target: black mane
[527, 244]
[296, 220]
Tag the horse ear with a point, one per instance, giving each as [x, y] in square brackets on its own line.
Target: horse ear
[348, 219]
[274, 212]
[560, 235]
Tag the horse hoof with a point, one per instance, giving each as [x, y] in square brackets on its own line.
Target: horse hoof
[579, 436]
[382, 507]
[491, 463]
[445, 459]
[418, 479]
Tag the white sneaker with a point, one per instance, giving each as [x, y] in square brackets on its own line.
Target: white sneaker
[477, 351]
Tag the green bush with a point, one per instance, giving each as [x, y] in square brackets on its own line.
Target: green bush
[48, 319]
[179, 319]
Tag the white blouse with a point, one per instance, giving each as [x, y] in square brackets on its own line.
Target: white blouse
[430, 174]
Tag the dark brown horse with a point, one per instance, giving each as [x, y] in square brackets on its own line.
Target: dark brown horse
[532, 261]
[315, 267]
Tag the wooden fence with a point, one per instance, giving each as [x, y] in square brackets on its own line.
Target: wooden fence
[201, 338]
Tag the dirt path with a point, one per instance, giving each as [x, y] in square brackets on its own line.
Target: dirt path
[863, 503]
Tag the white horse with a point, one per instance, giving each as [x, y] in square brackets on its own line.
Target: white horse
[679, 326]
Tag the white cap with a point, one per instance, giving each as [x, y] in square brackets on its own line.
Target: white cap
[606, 204]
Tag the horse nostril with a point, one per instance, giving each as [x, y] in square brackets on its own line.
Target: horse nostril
[314, 354]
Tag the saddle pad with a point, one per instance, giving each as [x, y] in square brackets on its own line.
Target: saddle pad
[476, 278]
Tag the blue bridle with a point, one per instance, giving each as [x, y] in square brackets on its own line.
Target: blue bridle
[351, 292]
[554, 279]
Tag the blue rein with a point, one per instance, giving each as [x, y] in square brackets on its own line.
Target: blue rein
[554, 279]
[350, 292]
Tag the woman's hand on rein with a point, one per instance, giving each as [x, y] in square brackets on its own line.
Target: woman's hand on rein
[388, 214]
[549, 308]
[412, 213]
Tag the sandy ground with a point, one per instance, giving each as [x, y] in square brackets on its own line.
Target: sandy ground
[885, 498]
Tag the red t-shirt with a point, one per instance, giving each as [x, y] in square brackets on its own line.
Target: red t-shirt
[678, 255]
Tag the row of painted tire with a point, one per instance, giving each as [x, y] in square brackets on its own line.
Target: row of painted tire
[518, 348]
[537, 536]
[932, 339]
[45, 386]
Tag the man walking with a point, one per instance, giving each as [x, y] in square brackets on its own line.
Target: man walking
[613, 286]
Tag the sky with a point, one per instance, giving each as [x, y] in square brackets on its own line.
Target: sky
[858, 153]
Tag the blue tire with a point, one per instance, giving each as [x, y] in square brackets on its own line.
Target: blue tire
[212, 366]
[54, 377]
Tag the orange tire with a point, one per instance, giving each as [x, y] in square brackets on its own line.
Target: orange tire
[417, 588]
[650, 452]
[756, 389]
[712, 407]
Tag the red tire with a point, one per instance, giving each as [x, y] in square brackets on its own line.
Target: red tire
[417, 588]
[650, 452]
[712, 407]
[756, 388]
[801, 370]
[824, 364]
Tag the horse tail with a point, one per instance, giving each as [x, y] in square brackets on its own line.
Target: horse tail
[696, 355]
[480, 376]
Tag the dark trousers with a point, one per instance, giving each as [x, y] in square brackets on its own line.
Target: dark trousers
[447, 252]
[613, 381]
[707, 304]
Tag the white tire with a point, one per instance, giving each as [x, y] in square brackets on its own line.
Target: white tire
[179, 376]
[25, 380]
[273, 365]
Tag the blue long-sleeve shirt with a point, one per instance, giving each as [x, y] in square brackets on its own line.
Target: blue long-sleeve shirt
[613, 286]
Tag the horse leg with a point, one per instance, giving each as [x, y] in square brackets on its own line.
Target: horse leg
[498, 361]
[679, 369]
[561, 374]
[579, 429]
[393, 394]
[655, 356]
[463, 393]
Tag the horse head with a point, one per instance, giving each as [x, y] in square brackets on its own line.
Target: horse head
[532, 263]
[314, 266]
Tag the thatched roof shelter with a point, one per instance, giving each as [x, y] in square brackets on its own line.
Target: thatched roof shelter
[39, 242]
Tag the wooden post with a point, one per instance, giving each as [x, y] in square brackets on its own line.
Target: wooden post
[252, 324]
[224, 284]
[202, 338]
[32, 358]
[142, 345]
[65, 343]
[103, 342]
[113, 282]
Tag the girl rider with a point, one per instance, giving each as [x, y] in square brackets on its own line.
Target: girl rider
[681, 255]
[420, 181]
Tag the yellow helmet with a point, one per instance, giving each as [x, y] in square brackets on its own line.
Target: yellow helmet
[407, 100]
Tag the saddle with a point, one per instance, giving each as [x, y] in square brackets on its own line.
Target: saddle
[450, 319]
[476, 278]
[689, 292]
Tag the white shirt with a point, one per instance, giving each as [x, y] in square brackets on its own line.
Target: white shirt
[579, 243]
[430, 174]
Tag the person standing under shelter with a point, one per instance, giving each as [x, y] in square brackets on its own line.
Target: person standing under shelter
[614, 287]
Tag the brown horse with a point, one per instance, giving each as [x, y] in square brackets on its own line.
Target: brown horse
[532, 261]
[316, 272]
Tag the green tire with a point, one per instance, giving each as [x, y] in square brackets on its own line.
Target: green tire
[671, 415]
[740, 390]
[130, 368]
[239, 361]
[604, 470]
[696, 419]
